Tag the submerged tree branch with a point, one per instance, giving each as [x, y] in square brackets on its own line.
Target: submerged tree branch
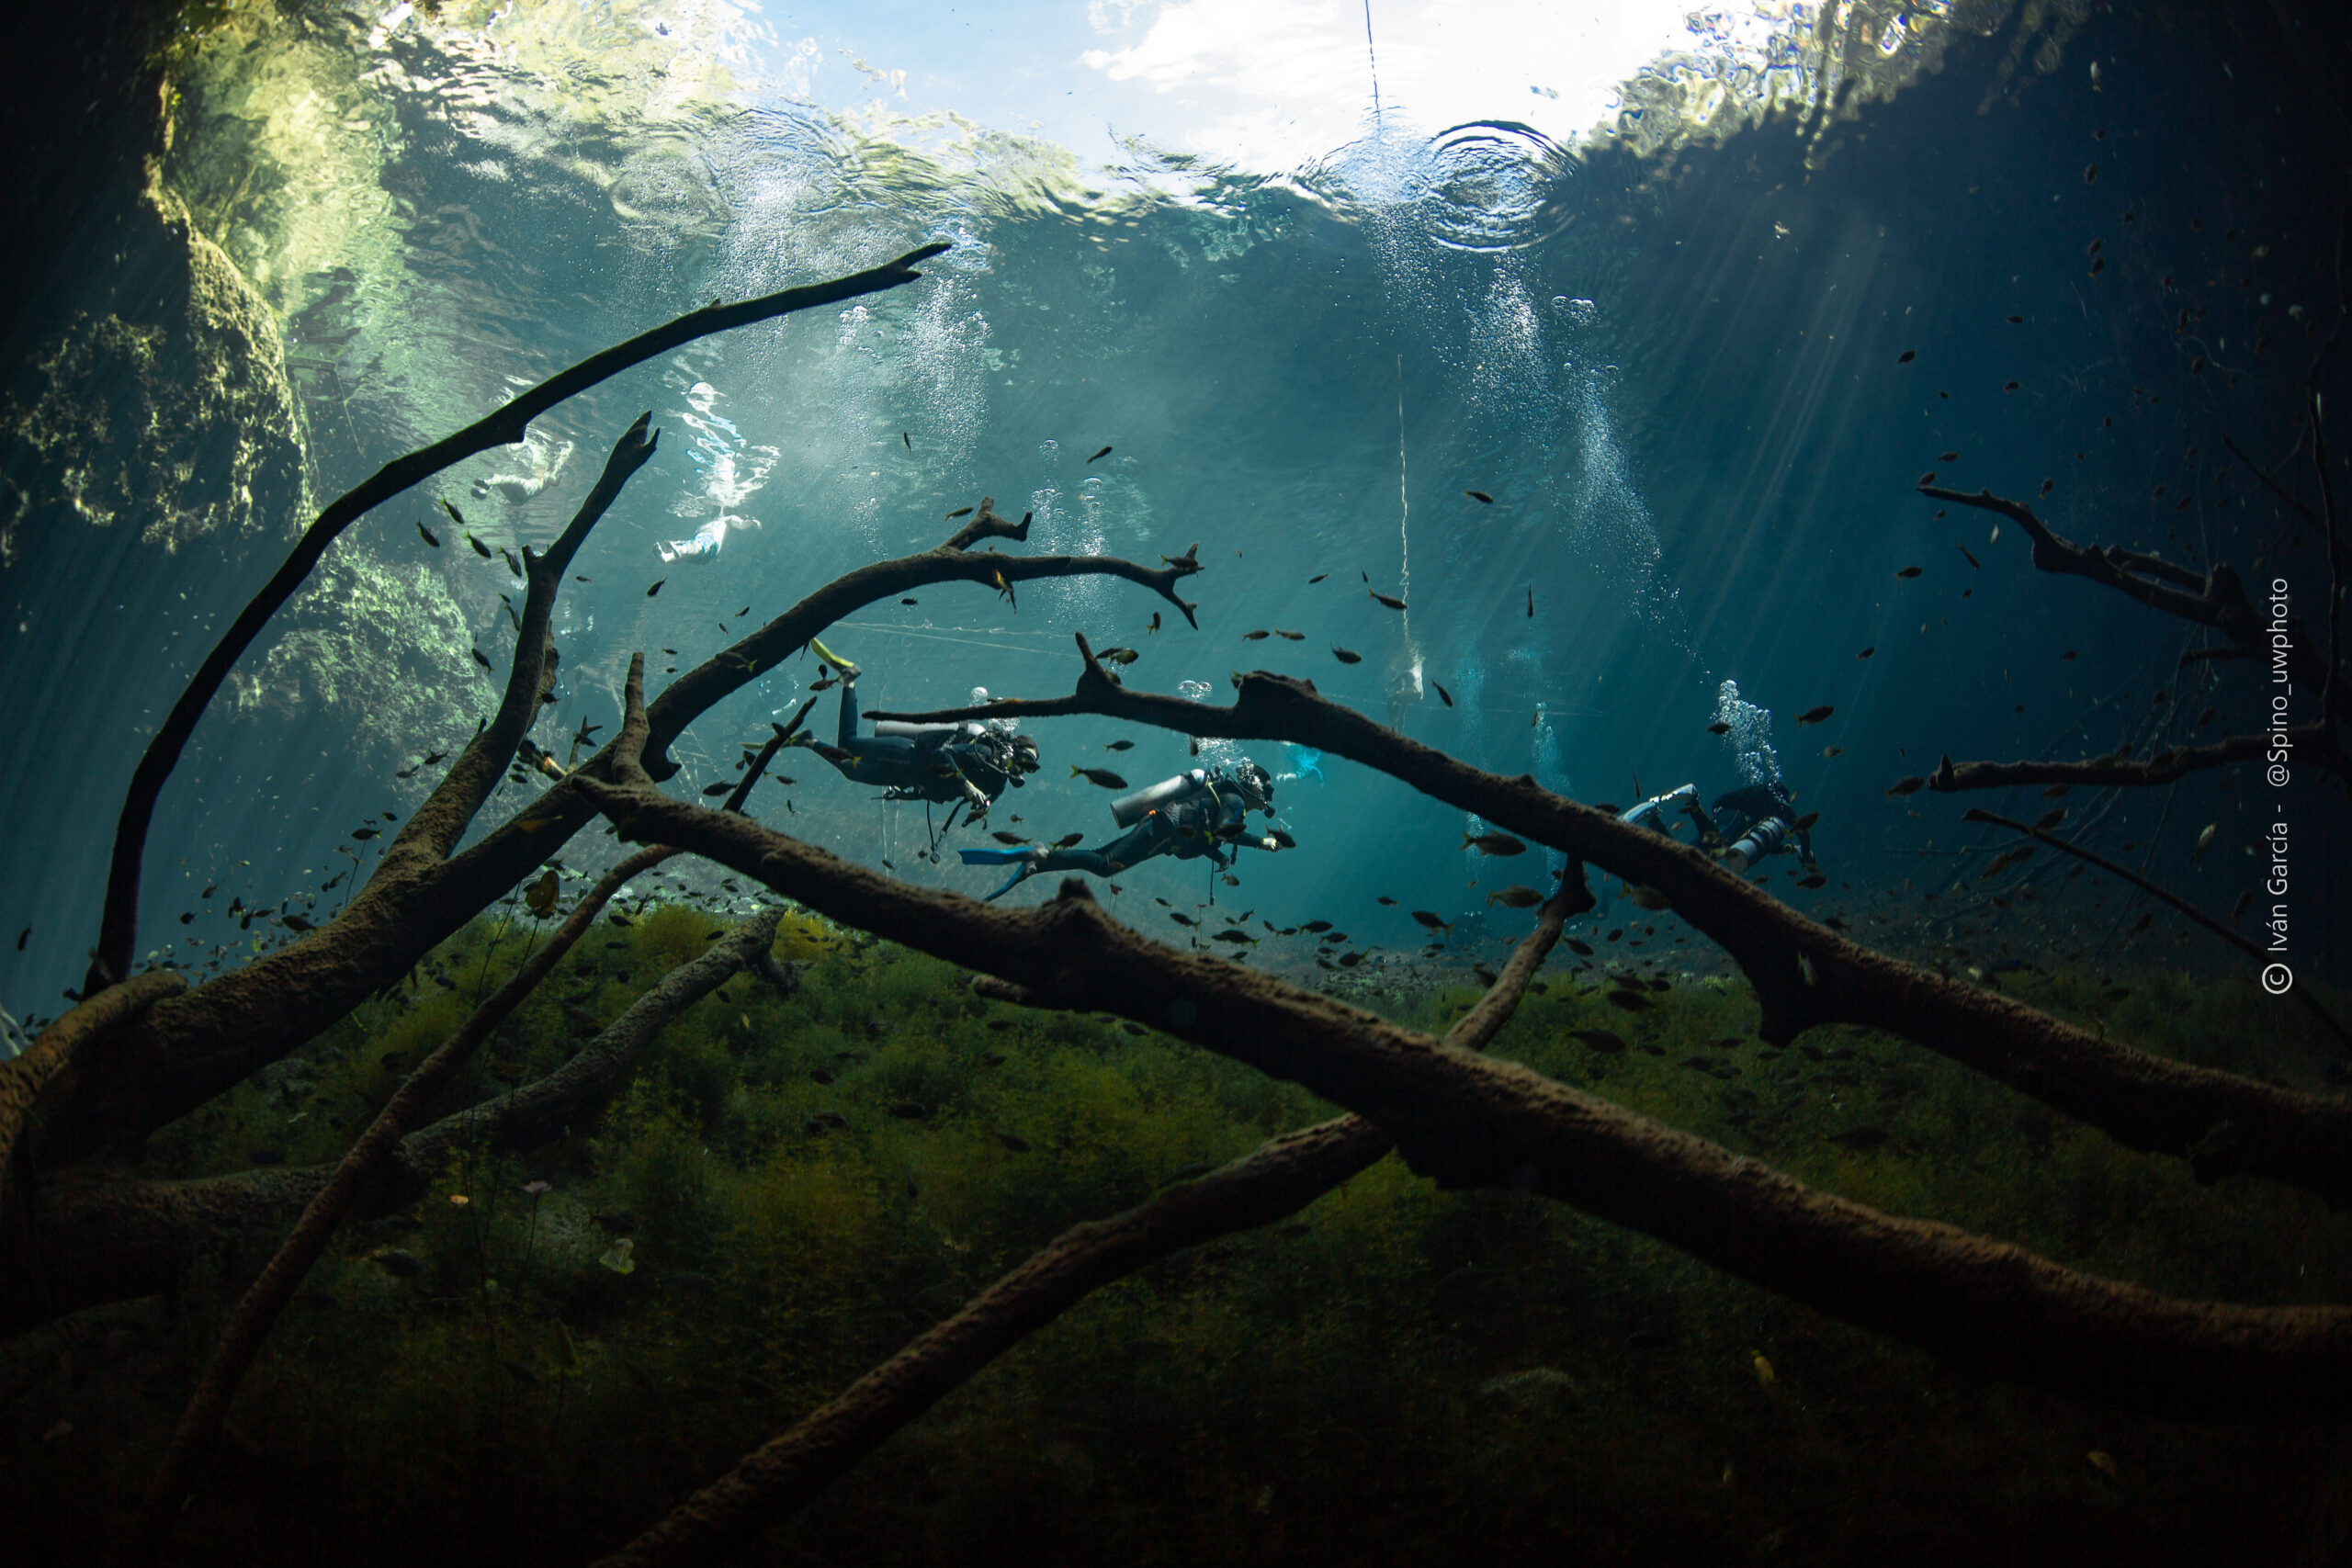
[1804, 974]
[118, 925]
[164, 1066]
[249, 1325]
[1271, 1182]
[2118, 771]
[1469, 1120]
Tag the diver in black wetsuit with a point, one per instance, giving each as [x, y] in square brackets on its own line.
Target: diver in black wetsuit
[1201, 812]
[968, 764]
[1748, 823]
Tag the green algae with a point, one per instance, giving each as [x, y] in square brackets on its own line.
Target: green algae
[1398, 1374]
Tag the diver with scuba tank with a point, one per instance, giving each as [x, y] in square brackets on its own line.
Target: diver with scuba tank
[965, 764]
[1747, 824]
[1200, 812]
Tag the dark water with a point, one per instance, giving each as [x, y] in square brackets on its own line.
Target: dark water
[1699, 387]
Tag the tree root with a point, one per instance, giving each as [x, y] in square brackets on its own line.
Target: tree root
[1804, 974]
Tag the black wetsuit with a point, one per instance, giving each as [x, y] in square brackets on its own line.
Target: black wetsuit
[970, 763]
[1740, 811]
[1201, 823]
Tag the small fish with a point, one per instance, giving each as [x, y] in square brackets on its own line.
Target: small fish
[1860, 1138]
[1183, 919]
[959, 512]
[1600, 1040]
[1480, 496]
[1290, 637]
[1384, 599]
[906, 601]
[23, 937]
[1814, 716]
[1719, 727]
[1968, 558]
[455, 515]
[1120, 656]
[908, 439]
[1149, 631]
[1315, 927]
[480, 548]
[1066, 839]
[1102, 776]
[427, 533]
[1104, 453]
[1256, 637]
[1494, 844]
[1910, 785]
[2205, 839]
[1995, 537]
[719, 788]
[1515, 897]
[541, 897]
[1443, 695]
[1926, 479]
[1317, 578]
[2011, 387]
[1868, 651]
[1906, 357]
[1284, 840]
[297, 923]
[512, 564]
[2013, 321]
[616, 1257]
[480, 659]
[1432, 921]
[1763, 1368]
[1008, 837]
[2049, 818]
[656, 588]
[1386, 901]
[1833, 751]
[1909, 571]
[1344, 656]
[2104, 1463]
[1530, 604]
[1118, 746]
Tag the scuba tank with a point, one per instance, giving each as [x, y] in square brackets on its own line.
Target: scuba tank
[1130, 809]
[1756, 844]
[901, 729]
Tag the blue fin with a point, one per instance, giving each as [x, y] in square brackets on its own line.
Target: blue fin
[993, 857]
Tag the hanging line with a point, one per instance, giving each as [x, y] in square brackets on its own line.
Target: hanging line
[1373, 56]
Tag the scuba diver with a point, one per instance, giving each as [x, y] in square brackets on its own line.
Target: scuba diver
[1199, 812]
[960, 766]
[1747, 824]
[708, 540]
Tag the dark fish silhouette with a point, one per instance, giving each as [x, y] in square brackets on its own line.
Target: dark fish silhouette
[1392, 604]
[1906, 357]
[512, 565]
[1515, 897]
[656, 588]
[427, 533]
[1104, 453]
[1909, 571]
[1815, 716]
[719, 788]
[480, 659]
[1530, 604]
[905, 600]
[959, 512]
[1600, 1039]
[1433, 921]
[1344, 656]
[1068, 839]
[1155, 624]
[1911, 785]
[480, 548]
[1102, 776]
[455, 515]
[1480, 496]
[1719, 727]
[1442, 693]
[1969, 559]
[1804, 823]
[1008, 837]
[1868, 651]
[1118, 746]
[1494, 844]
[1386, 901]
[1317, 578]
[1183, 919]
[1290, 637]
[1256, 637]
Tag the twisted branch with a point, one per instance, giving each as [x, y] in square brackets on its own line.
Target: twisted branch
[1804, 974]
[118, 925]
[1468, 1121]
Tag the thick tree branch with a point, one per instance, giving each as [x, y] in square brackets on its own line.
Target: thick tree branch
[258, 1312]
[118, 925]
[163, 1066]
[1804, 974]
[1468, 1121]
[96, 1239]
[1271, 1182]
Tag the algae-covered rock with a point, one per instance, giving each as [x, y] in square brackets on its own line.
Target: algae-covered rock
[375, 649]
[163, 407]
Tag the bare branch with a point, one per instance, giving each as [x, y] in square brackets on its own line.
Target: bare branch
[118, 925]
[2115, 770]
[1469, 1120]
[1804, 974]
[241, 1340]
